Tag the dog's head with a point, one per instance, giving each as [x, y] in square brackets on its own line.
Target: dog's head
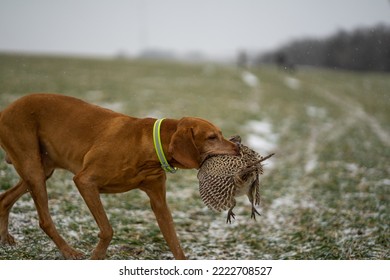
[195, 139]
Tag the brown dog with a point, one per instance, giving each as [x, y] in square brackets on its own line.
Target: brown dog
[108, 152]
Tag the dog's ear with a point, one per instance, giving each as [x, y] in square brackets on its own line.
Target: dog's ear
[183, 149]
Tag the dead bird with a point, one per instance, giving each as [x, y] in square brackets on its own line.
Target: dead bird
[224, 177]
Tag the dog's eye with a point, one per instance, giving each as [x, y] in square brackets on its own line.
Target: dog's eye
[212, 137]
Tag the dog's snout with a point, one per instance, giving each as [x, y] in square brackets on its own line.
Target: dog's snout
[236, 148]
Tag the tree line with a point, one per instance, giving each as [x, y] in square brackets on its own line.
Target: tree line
[363, 49]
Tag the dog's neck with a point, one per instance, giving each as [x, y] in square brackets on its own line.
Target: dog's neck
[168, 128]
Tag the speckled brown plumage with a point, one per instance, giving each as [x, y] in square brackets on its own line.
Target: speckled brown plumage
[224, 177]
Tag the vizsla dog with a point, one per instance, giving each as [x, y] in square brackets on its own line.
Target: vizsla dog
[107, 152]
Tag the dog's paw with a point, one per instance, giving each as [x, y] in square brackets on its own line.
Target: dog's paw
[71, 254]
[98, 255]
[7, 239]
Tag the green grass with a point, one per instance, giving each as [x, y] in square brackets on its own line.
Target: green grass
[325, 196]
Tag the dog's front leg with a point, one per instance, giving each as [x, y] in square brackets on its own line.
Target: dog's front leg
[157, 195]
[90, 193]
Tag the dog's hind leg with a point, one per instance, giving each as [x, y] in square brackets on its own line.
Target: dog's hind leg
[37, 187]
[31, 168]
[7, 200]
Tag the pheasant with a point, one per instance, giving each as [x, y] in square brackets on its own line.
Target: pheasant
[224, 177]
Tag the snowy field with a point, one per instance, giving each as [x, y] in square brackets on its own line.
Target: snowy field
[325, 194]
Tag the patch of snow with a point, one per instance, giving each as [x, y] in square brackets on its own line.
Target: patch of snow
[73, 234]
[260, 136]
[260, 143]
[283, 201]
[386, 182]
[94, 95]
[155, 114]
[97, 96]
[292, 83]
[316, 112]
[250, 79]
[185, 193]
[352, 167]
[286, 204]
[288, 255]
[114, 106]
[260, 127]
[310, 165]
[274, 215]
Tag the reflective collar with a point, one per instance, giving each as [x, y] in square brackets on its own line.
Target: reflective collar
[159, 148]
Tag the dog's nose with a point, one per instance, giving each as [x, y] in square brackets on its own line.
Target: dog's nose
[237, 148]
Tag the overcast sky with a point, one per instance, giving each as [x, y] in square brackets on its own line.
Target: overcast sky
[215, 27]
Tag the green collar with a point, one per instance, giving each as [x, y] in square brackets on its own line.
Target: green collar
[159, 148]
